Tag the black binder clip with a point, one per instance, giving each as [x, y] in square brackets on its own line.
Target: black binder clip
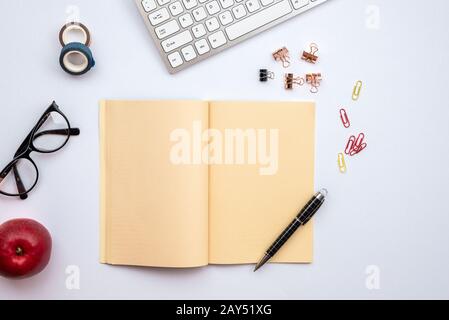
[290, 81]
[264, 75]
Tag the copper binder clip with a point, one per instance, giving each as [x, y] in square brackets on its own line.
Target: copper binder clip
[311, 56]
[314, 79]
[282, 55]
[290, 80]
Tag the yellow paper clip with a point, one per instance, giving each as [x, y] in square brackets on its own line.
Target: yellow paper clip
[356, 91]
[341, 163]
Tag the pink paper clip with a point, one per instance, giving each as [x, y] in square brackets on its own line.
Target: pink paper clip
[362, 146]
[355, 146]
[350, 145]
[344, 118]
[359, 141]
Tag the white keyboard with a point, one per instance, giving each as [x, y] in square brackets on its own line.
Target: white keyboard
[188, 31]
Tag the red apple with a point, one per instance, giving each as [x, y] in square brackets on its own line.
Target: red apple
[25, 248]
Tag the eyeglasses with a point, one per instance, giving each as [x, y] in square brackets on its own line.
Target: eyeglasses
[50, 134]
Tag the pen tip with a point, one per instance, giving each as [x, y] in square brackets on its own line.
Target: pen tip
[262, 262]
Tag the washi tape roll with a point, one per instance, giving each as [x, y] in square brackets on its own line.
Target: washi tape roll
[76, 58]
[74, 26]
[76, 51]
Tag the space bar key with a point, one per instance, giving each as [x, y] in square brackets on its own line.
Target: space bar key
[258, 20]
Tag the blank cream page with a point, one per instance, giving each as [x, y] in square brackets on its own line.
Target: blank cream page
[154, 210]
[249, 207]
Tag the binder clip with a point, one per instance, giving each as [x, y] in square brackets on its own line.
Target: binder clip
[356, 90]
[355, 145]
[311, 56]
[264, 75]
[290, 81]
[342, 163]
[282, 55]
[314, 79]
[344, 118]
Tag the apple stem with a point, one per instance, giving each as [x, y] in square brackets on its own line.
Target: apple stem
[19, 251]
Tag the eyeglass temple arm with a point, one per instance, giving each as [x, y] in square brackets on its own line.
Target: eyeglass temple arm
[20, 187]
[72, 132]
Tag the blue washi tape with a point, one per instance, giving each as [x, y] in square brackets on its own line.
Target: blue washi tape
[84, 55]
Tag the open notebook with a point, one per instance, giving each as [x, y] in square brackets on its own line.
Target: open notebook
[176, 191]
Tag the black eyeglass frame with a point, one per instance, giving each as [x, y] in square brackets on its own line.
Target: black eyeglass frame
[27, 147]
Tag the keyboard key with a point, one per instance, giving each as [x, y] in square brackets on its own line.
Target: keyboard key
[199, 14]
[226, 18]
[175, 59]
[298, 4]
[239, 11]
[176, 8]
[188, 53]
[162, 2]
[159, 16]
[212, 24]
[217, 39]
[186, 20]
[176, 41]
[202, 47]
[258, 19]
[266, 2]
[199, 30]
[252, 5]
[167, 29]
[189, 4]
[148, 5]
[213, 7]
[226, 3]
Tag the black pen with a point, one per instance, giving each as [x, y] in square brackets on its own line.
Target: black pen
[301, 219]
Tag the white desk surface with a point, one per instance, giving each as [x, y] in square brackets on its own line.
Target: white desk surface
[390, 210]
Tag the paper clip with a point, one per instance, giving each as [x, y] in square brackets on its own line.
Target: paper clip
[264, 75]
[359, 149]
[356, 91]
[350, 145]
[342, 163]
[359, 140]
[355, 145]
[344, 118]
[290, 80]
[314, 79]
[282, 55]
[359, 145]
[311, 56]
